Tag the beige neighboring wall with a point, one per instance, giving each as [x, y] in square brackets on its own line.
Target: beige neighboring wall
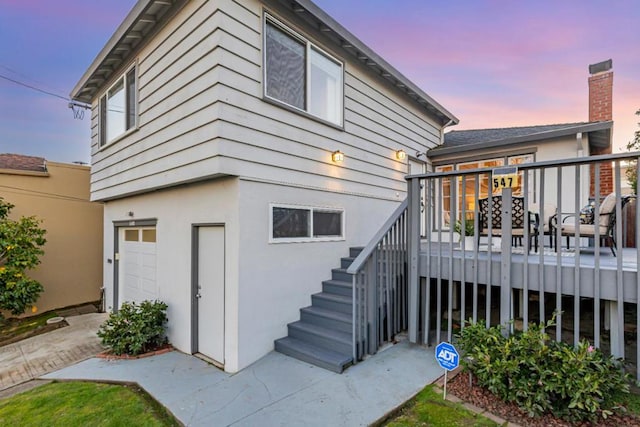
[71, 268]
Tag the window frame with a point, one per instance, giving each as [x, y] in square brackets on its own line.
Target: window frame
[309, 47]
[455, 165]
[311, 210]
[103, 142]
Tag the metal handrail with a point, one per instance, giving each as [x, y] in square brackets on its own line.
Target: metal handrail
[378, 286]
[358, 263]
[598, 285]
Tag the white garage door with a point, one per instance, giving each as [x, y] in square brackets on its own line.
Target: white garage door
[137, 280]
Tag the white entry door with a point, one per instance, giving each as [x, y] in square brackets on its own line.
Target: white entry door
[137, 281]
[210, 292]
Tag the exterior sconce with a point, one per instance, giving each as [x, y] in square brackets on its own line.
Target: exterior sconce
[337, 156]
[401, 155]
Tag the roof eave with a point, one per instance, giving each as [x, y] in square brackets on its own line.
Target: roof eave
[373, 60]
[84, 91]
[120, 32]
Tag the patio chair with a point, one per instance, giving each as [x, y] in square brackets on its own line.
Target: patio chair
[518, 220]
[606, 222]
[545, 220]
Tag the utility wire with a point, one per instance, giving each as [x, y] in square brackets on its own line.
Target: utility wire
[33, 87]
[36, 193]
[27, 78]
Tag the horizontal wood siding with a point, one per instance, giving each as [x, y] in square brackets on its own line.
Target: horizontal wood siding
[201, 107]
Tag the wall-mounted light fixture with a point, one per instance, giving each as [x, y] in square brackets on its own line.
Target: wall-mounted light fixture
[337, 156]
[401, 155]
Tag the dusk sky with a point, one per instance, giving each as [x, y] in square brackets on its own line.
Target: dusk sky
[491, 63]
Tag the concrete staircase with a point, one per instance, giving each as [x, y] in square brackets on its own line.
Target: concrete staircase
[323, 334]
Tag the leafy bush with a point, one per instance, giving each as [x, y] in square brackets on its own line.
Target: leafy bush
[634, 145]
[135, 329]
[544, 376]
[464, 228]
[21, 244]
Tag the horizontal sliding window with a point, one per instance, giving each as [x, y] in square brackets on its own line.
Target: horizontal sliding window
[301, 75]
[297, 223]
[118, 108]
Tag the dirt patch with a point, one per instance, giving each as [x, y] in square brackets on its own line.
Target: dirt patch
[460, 387]
[42, 329]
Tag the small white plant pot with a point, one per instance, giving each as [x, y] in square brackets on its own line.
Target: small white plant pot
[469, 243]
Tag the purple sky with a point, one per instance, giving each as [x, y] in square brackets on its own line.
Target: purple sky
[491, 63]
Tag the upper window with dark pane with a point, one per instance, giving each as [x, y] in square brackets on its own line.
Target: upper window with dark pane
[285, 66]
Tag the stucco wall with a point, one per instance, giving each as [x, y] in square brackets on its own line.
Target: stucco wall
[71, 268]
[277, 279]
[565, 148]
[265, 283]
[175, 211]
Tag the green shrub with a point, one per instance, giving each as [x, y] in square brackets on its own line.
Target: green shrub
[544, 376]
[21, 243]
[464, 228]
[135, 329]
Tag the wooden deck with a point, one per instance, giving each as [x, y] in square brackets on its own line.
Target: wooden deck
[593, 286]
[580, 270]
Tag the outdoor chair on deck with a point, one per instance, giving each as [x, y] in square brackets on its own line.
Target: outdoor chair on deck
[545, 219]
[606, 222]
[518, 220]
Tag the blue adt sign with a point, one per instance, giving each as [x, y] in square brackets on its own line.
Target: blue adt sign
[447, 356]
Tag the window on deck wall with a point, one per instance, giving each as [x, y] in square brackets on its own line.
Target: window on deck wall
[300, 75]
[469, 201]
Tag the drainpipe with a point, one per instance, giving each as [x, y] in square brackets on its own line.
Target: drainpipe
[451, 121]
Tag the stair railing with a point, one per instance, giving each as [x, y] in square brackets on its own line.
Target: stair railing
[380, 286]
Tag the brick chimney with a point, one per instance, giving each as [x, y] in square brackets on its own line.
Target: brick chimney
[601, 109]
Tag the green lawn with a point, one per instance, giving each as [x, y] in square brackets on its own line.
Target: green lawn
[429, 409]
[71, 404]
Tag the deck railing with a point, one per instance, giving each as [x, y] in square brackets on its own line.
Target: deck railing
[497, 283]
[380, 286]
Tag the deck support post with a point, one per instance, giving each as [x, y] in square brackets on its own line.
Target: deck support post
[414, 257]
[505, 263]
[614, 333]
[521, 303]
[457, 289]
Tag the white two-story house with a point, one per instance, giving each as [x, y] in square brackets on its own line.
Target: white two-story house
[240, 148]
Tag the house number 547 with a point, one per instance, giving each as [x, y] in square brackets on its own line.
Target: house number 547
[504, 181]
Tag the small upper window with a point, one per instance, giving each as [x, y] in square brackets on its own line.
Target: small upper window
[131, 235]
[118, 108]
[301, 75]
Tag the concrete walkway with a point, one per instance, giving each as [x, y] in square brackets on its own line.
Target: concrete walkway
[38, 355]
[275, 391]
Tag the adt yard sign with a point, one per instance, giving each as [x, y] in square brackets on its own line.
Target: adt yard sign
[447, 356]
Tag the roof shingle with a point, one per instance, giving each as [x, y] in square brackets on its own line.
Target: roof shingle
[475, 136]
[23, 163]
[479, 139]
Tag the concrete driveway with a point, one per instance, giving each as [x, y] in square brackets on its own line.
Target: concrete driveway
[277, 390]
[32, 357]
